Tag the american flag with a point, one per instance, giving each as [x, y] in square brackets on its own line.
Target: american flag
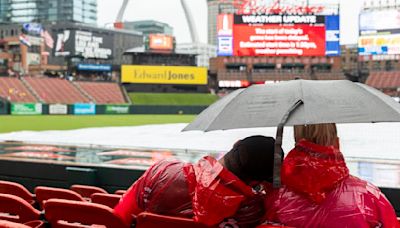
[47, 39]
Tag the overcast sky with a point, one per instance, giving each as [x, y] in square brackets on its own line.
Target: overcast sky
[170, 11]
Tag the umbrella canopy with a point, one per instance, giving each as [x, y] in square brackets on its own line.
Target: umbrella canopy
[338, 101]
[295, 103]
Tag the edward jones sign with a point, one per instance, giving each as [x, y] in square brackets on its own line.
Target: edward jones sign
[187, 75]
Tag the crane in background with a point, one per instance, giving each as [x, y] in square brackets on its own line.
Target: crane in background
[188, 14]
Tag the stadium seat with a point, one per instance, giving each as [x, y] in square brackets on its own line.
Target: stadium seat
[86, 191]
[8, 224]
[8, 187]
[272, 226]
[110, 200]
[103, 92]
[16, 209]
[35, 224]
[150, 220]
[45, 193]
[65, 213]
[120, 192]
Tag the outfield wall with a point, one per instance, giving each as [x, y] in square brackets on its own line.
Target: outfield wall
[94, 109]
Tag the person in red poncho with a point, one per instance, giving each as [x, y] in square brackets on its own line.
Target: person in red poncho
[210, 191]
[318, 190]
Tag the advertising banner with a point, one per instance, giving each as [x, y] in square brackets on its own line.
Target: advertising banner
[58, 109]
[279, 40]
[278, 35]
[117, 109]
[161, 42]
[225, 34]
[164, 74]
[380, 21]
[379, 45]
[94, 67]
[26, 109]
[83, 43]
[84, 109]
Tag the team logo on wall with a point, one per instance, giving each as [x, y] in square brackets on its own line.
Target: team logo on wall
[62, 39]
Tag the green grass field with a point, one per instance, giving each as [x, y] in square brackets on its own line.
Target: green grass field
[172, 98]
[40, 123]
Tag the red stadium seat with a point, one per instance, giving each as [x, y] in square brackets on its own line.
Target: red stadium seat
[110, 200]
[16, 209]
[150, 220]
[35, 224]
[45, 193]
[8, 224]
[120, 192]
[272, 226]
[8, 187]
[86, 191]
[65, 213]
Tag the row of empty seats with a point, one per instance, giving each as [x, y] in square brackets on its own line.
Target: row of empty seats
[62, 208]
[55, 90]
[102, 92]
[14, 90]
[384, 80]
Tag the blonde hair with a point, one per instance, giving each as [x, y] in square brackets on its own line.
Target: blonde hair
[322, 134]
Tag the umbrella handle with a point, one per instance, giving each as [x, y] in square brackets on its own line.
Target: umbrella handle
[278, 145]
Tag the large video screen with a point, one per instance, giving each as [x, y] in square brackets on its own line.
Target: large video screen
[379, 32]
[89, 45]
[161, 42]
[278, 35]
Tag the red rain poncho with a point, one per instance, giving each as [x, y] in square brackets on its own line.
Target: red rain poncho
[205, 191]
[319, 192]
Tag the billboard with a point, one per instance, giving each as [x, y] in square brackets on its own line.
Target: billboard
[82, 43]
[278, 35]
[164, 74]
[26, 109]
[380, 22]
[84, 109]
[58, 109]
[379, 44]
[117, 109]
[379, 36]
[94, 67]
[161, 42]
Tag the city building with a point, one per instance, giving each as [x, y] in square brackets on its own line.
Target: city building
[82, 11]
[203, 52]
[148, 27]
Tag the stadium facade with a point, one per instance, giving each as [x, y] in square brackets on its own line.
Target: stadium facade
[82, 11]
[70, 49]
[379, 45]
[268, 41]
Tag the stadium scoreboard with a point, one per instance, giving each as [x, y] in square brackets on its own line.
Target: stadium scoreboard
[278, 35]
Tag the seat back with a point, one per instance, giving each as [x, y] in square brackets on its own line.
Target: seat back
[8, 224]
[45, 193]
[120, 192]
[86, 191]
[150, 220]
[16, 209]
[109, 200]
[65, 213]
[36, 224]
[8, 187]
